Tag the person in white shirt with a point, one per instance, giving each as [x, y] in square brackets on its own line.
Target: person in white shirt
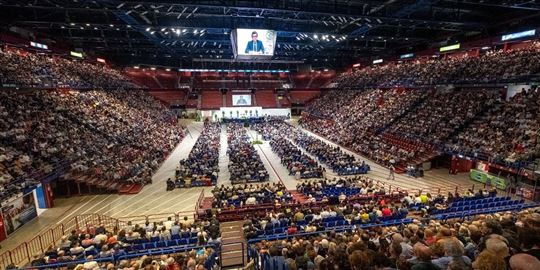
[168, 224]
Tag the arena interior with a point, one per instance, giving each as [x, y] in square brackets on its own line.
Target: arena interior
[270, 135]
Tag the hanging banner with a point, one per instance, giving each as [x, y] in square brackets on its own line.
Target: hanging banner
[19, 212]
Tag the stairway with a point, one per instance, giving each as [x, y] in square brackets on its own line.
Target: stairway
[233, 244]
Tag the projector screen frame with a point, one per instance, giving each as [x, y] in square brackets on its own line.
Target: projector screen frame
[241, 56]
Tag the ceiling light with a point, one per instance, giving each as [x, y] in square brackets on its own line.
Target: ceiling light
[87, 24]
[147, 29]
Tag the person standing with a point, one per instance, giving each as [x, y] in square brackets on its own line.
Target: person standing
[391, 173]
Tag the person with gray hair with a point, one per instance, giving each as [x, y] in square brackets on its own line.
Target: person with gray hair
[523, 261]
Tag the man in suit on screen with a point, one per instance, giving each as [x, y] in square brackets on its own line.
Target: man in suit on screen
[255, 45]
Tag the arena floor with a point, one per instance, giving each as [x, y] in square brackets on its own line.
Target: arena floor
[153, 199]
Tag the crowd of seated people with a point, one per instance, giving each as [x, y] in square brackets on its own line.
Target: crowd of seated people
[425, 122]
[487, 242]
[245, 164]
[201, 168]
[509, 132]
[226, 197]
[27, 69]
[340, 162]
[296, 162]
[116, 136]
[444, 112]
[102, 242]
[491, 66]
[341, 188]
[292, 221]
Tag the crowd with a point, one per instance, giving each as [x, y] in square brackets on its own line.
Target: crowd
[443, 113]
[226, 197]
[27, 69]
[296, 162]
[489, 242]
[94, 247]
[415, 122]
[508, 133]
[117, 136]
[338, 189]
[489, 66]
[245, 164]
[340, 162]
[201, 167]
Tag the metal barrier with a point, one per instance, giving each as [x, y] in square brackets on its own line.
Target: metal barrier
[24, 252]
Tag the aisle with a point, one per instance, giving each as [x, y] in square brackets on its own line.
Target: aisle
[224, 175]
[152, 199]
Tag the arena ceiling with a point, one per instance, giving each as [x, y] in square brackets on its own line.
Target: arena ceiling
[182, 33]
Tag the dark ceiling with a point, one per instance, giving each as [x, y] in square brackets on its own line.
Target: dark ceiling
[174, 33]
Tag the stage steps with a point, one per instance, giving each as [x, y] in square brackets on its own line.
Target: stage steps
[233, 244]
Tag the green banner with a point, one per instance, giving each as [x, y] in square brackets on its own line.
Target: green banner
[482, 177]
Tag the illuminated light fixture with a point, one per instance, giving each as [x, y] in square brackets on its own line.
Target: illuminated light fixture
[111, 25]
[101, 60]
[377, 61]
[136, 67]
[153, 32]
[95, 28]
[195, 31]
[153, 68]
[450, 48]
[168, 69]
[147, 29]
[76, 54]
[184, 30]
[356, 65]
[62, 27]
[517, 35]
[87, 24]
[72, 24]
[38, 45]
[128, 26]
[486, 48]
[163, 29]
[405, 56]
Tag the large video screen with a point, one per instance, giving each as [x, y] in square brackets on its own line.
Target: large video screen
[255, 42]
[241, 100]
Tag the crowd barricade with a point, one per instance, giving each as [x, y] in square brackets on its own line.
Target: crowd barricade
[24, 252]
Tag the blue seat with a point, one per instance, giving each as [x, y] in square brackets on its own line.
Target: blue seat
[161, 244]
[192, 240]
[172, 243]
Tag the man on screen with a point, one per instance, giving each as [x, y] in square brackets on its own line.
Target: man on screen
[255, 45]
[241, 101]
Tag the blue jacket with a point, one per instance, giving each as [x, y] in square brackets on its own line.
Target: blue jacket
[251, 46]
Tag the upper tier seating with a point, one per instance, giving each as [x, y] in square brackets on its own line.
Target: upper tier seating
[507, 133]
[491, 66]
[112, 137]
[403, 127]
[26, 69]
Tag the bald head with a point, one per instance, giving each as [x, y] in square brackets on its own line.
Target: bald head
[523, 261]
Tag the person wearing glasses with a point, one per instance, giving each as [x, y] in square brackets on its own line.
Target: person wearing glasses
[255, 45]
